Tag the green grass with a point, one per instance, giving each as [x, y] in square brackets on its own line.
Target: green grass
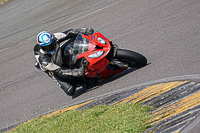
[100, 119]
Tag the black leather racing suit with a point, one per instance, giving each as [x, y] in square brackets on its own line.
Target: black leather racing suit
[58, 65]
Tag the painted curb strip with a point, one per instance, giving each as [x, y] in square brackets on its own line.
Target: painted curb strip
[176, 103]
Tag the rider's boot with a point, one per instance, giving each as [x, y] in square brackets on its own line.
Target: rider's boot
[68, 88]
[71, 90]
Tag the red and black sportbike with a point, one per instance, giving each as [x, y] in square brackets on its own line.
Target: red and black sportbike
[103, 59]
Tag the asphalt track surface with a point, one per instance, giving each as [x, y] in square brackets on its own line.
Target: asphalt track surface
[167, 32]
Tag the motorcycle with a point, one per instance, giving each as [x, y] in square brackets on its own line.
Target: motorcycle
[102, 58]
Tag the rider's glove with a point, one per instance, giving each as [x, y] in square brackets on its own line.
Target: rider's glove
[81, 71]
[89, 31]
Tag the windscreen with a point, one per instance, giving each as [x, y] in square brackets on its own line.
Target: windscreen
[81, 45]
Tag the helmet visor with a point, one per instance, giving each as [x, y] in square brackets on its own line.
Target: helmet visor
[50, 47]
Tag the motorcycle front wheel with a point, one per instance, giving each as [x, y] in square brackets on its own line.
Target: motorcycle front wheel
[130, 58]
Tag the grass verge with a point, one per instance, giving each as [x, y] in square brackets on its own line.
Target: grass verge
[3, 1]
[123, 118]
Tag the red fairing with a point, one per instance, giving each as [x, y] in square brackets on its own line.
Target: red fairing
[101, 69]
[92, 44]
[98, 66]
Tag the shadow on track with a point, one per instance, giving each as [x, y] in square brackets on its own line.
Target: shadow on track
[82, 90]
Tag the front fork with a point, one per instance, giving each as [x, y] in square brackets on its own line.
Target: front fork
[115, 61]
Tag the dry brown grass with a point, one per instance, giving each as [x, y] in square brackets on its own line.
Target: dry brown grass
[3, 1]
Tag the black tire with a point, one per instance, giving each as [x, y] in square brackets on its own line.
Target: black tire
[133, 59]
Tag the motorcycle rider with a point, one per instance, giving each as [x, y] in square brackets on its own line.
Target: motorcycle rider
[51, 59]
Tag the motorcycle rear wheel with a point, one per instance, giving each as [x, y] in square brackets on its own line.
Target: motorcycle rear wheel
[131, 58]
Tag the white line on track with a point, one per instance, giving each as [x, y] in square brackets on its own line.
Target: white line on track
[76, 19]
[91, 13]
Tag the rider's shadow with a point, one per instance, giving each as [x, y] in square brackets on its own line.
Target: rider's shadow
[82, 90]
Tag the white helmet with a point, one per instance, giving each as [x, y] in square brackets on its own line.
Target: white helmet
[46, 41]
